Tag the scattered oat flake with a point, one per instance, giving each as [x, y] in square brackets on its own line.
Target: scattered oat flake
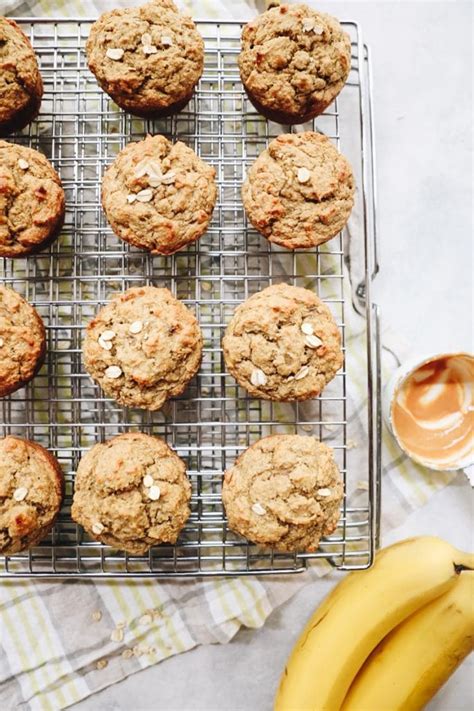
[318, 30]
[303, 175]
[149, 49]
[168, 177]
[106, 345]
[144, 195]
[145, 619]
[302, 373]
[117, 635]
[166, 41]
[113, 372]
[206, 286]
[307, 428]
[108, 335]
[131, 198]
[97, 528]
[101, 664]
[136, 327]
[1, 342]
[324, 492]
[313, 341]
[146, 39]
[120, 625]
[115, 53]
[364, 485]
[351, 444]
[23, 164]
[154, 493]
[258, 509]
[308, 24]
[127, 653]
[154, 182]
[97, 615]
[148, 481]
[258, 377]
[20, 493]
[307, 328]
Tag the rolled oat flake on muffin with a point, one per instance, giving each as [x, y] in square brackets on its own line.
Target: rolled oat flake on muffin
[21, 86]
[31, 491]
[284, 491]
[32, 201]
[22, 341]
[159, 195]
[283, 344]
[114, 504]
[148, 58]
[147, 365]
[299, 192]
[294, 62]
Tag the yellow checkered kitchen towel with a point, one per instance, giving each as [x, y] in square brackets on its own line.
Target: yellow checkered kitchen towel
[61, 642]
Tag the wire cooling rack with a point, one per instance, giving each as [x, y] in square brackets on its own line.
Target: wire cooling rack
[81, 130]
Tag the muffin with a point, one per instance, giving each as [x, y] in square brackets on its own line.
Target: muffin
[22, 341]
[143, 347]
[132, 492]
[284, 491]
[31, 201]
[31, 493]
[299, 192]
[159, 195]
[21, 86]
[148, 58]
[283, 344]
[294, 62]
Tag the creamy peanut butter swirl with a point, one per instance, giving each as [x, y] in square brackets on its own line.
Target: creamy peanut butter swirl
[433, 412]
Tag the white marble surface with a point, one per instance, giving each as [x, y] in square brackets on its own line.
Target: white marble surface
[422, 69]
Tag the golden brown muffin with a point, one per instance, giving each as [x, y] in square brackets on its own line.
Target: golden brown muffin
[158, 195]
[22, 341]
[148, 58]
[21, 86]
[283, 344]
[299, 192]
[31, 493]
[31, 201]
[143, 347]
[294, 62]
[284, 491]
[132, 493]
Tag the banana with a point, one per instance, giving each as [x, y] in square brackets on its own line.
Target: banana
[409, 666]
[361, 610]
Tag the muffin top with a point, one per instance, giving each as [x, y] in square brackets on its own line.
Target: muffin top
[147, 58]
[159, 195]
[283, 344]
[31, 200]
[20, 79]
[300, 191]
[22, 341]
[132, 492]
[31, 493]
[284, 491]
[294, 60]
[143, 347]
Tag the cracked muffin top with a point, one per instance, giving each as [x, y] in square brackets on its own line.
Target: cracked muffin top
[31, 493]
[283, 344]
[132, 492]
[299, 192]
[143, 347]
[284, 491]
[294, 62]
[31, 201]
[21, 86]
[22, 341]
[159, 195]
[148, 58]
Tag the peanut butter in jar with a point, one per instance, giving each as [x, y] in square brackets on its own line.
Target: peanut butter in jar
[432, 412]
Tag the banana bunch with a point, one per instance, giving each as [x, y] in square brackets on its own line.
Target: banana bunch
[387, 638]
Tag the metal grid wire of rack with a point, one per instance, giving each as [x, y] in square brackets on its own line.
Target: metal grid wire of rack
[81, 131]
